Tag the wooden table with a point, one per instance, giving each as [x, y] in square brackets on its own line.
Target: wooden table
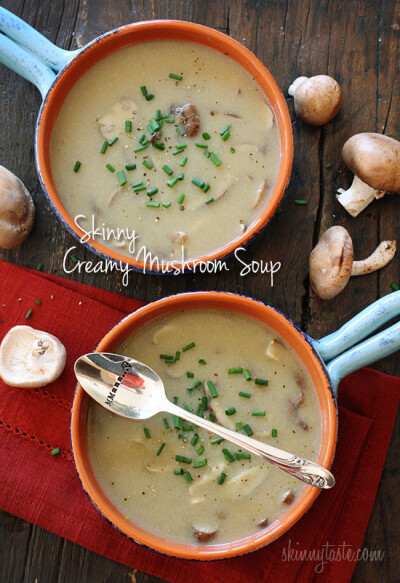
[358, 43]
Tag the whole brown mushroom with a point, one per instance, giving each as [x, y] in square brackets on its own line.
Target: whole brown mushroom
[331, 262]
[316, 99]
[17, 211]
[374, 160]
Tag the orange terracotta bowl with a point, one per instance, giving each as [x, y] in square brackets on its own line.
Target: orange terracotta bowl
[311, 360]
[138, 33]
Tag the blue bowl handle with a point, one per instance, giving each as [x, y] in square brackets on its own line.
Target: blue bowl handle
[31, 39]
[359, 327]
[375, 348]
[25, 64]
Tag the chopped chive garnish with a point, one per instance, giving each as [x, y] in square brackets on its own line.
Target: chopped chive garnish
[110, 168]
[261, 382]
[177, 422]
[202, 361]
[206, 136]
[138, 183]
[236, 370]
[172, 181]
[210, 200]
[155, 205]
[180, 146]
[38, 302]
[200, 450]
[39, 267]
[329, 165]
[183, 161]
[212, 389]
[166, 356]
[246, 374]
[74, 258]
[180, 132]
[183, 459]
[181, 198]
[228, 455]
[232, 150]
[167, 169]
[214, 158]
[28, 314]
[155, 126]
[394, 286]
[55, 451]
[121, 177]
[221, 478]
[166, 423]
[152, 191]
[181, 176]
[243, 394]
[198, 410]
[148, 164]
[187, 427]
[146, 432]
[158, 115]
[198, 182]
[239, 426]
[217, 440]
[178, 471]
[143, 139]
[77, 166]
[199, 145]
[211, 417]
[139, 188]
[188, 346]
[130, 166]
[248, 429]
[188, 477]
[160, 449]
[206, 187]
[174, 76]
[274, 433]
[128, 126]
[242, 455]
[166, 204]
[221, 133]
[190, 375]
[197, 384]
[104, 147]
[204, 404]
[206, 153]
[112, 142]
[230, 411]
[141, 148]
[260, 413]
[143, 89]
[300, 202]
[200, 463]
[169, 120]
[226, 136]
[195, 439]
[176, 152]
[149, 97]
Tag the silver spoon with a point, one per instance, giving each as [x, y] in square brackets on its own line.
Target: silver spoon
[131, 389]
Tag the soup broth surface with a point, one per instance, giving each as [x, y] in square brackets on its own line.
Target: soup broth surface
[233, 156]
[211, 493]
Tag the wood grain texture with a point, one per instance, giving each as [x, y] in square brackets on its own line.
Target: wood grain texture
[357, 42]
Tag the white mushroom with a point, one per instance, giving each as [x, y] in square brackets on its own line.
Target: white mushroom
[331, 262]
[374, 160]
[30, 358]
[17, 211]
[112, 122]
[260, 193]
[316, 99]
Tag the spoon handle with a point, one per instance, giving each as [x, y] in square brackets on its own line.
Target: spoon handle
[299, 467]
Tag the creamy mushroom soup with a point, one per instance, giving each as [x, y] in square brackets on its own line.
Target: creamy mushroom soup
[171, 139]
[181, 482]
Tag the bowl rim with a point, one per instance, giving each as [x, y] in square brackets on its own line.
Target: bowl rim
[314, 364]
[153, 30]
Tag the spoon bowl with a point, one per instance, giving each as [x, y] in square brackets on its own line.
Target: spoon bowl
[131, 389]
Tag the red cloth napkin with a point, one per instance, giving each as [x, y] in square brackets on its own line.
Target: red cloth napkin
[45, 489]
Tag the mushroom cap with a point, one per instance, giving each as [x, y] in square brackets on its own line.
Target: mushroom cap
[317, 100]
[17, 211]
[21, 362]
[375, 159]
[330, 263]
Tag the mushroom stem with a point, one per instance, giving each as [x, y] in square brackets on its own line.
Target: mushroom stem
[295, 84]
[382, 255]
[356, 198]
[39, 347]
